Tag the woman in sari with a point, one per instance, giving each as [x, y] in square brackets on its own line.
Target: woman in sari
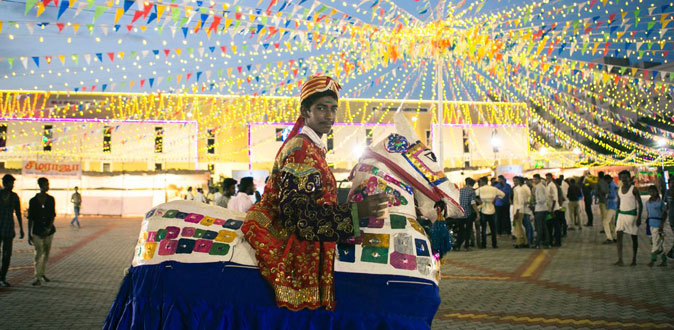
[296, 225]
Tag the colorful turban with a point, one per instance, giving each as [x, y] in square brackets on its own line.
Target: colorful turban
[315, 84]
[318, 83]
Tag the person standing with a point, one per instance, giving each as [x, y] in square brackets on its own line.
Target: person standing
[41, 214]
[602, 188]
[76, 199]
[586, 187]
[217, 196]
[573, 196]
[611, 204]
[467, 199]
[655, 207]
[242, 202]
[521, 197]
[503, 225]
[670, 205]
[541, 211]
[189, 196]
[629, 215]
[488, 194]
[564, 187]
[199, 196]
[10, 205]
[527, 220]
[555, 209]
[228, 190]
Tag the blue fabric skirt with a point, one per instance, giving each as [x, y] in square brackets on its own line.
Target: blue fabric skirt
[175, 295]
[441, 240]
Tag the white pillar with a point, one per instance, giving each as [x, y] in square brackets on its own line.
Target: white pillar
[438, 140]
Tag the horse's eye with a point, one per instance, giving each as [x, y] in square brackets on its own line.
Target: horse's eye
[430, 155]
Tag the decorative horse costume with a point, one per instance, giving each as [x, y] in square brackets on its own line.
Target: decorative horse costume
[193, 268]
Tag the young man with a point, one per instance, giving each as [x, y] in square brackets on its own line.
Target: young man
[611, 204]
[41, 214]
[602, 189]
[521, 197]
[656, 219]
[468, 202]
[228, 190]
[488, 194]
[217, 196]
[541, 211]
[10, 205]
[528, 218]
[503, 225]
[295, 227]
[629, 215]
[199, 196]
[564, 187]
[670, 206]
[587, 189]
[76, 199]
[573, 195]
[189, 196]
[555, 209]
[242, 202]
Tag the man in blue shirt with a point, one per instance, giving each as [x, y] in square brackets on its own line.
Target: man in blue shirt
[503, 225]
[464, 225]
[611, 204]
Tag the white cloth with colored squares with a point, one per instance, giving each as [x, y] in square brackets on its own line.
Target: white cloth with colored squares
[191, 232]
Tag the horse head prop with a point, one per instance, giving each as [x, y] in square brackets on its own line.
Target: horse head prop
[407, 171]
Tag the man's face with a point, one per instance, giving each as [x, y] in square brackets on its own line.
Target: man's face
[44, 187]
[9, 185]
[231, 190]
[321, 115]
[654, 193]
[251, 189]
[548, 179]
[625, 178]
[502, 181]
[516, 181]
[537, 180]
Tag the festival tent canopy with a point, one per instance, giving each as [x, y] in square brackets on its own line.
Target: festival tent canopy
[595, 74]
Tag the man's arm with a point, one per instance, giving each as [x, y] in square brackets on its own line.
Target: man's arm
[640, 205]
[53, 210]
[17, 211]
[30, 222]
[302, 215]
[664, 215]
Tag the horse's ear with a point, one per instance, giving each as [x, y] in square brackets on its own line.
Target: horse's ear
[404, 128]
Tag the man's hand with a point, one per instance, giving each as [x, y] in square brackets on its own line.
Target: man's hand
[373, 206]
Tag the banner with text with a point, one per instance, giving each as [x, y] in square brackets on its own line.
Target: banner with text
[51, 168]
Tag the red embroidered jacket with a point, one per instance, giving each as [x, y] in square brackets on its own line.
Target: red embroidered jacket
[293, 229]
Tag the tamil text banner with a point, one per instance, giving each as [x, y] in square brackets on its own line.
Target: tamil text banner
[51, 168]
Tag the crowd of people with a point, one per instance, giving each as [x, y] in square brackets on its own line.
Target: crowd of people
[228, 196]
[545, 208]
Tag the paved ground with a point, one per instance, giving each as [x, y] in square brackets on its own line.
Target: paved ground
[570, 287]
